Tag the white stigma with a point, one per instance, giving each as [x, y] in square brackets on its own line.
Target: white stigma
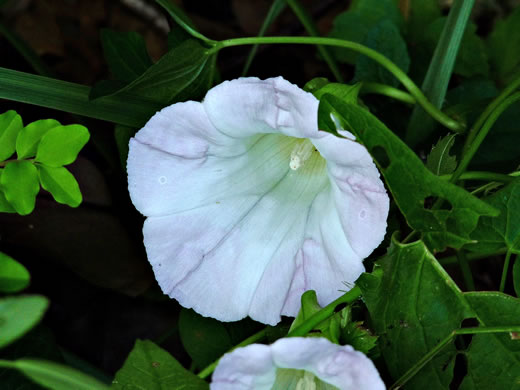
[307, 382]
[301, 153]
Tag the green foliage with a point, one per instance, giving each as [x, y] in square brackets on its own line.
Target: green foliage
[43, 148]
[30, 137]
[61, 184]
[421, 14]
[503, 231]
[493, 359]
[14, 276]
[10, 126]
[329, 328]
[19, 182]
[185, 69]
[152, 368]
[205, 339]
[345, 92]
[385, 38]
[439, 161]
[503, 44]
[472, 59]
[18, 315]
[414, 304]
[516, 277]
[355, 23]
[339, 328]
[61, 145]
[125, 53]
[54, 376]
[410, 182]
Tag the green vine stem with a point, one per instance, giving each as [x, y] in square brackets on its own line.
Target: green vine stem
[329, 310]
[301, 330]
[387, 90]
[414, 90]
[479, 138]
[482, 175]
[311, 29]
[452, 260]
[457, 332]
[276, 8]
[490, 109]
[503, 279]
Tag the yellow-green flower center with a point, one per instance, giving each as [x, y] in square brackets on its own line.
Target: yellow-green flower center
[291, 379]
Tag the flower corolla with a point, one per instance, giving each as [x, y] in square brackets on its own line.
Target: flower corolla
[248, 205]
[296, 363]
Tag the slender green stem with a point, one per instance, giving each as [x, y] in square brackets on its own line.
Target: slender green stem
[505, 270]
[481, 175]
[466, 270]
[457, 332]
[489, 109]
[182, 20]
[479, 138]
[379, 58]
[311, 29]
[409, 237]
[387, 90]
[451, 260]
[276, 8]
[250, 340]
[317, 318]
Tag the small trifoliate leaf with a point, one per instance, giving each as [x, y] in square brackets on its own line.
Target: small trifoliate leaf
[30, 136]
[61, 184]
[5, 206]
[14, 276]
[61, 145]
[18, 315]
[10, 126]
[20, 184]
[439, 160]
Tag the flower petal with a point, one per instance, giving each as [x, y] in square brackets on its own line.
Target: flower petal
[245, 368]
[248, 106]
[359, 193]
[234, 258]
[327, 262]
[337, 365]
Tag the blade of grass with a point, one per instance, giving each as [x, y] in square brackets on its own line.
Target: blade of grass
[128, 110]
[312, 30]
[276, 9]
[439, 72]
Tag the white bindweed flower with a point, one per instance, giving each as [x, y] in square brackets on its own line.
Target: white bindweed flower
[249, 205]
[296, 363]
